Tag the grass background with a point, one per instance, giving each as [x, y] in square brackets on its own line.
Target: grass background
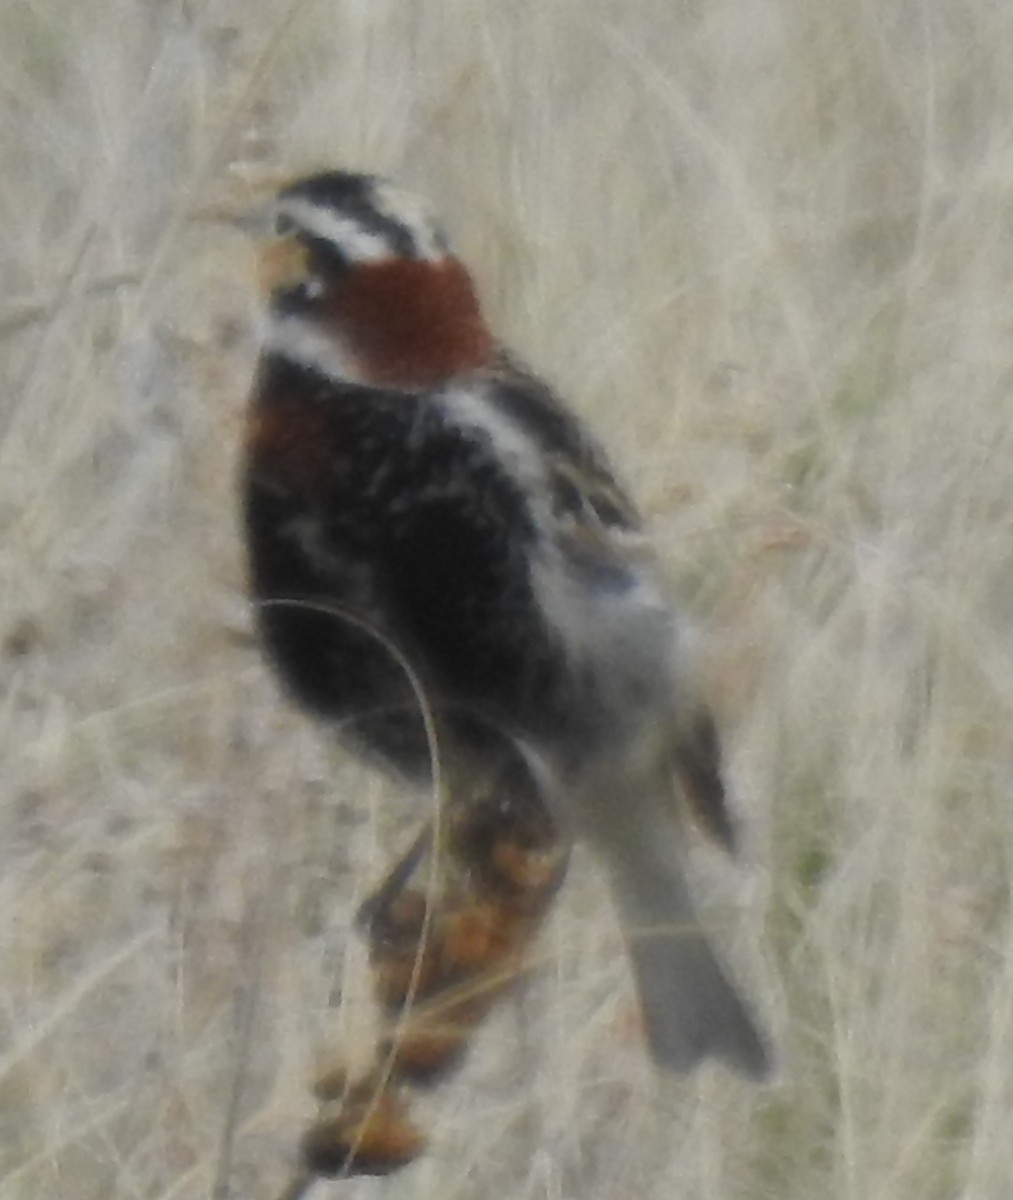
[765, 246]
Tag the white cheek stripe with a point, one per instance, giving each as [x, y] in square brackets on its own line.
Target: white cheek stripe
[345, 233]
[307, 345]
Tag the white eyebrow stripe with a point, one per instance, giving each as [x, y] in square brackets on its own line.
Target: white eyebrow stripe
[408, 211]
[345, 233]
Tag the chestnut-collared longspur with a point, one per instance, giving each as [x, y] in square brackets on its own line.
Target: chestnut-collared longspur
[427, 521]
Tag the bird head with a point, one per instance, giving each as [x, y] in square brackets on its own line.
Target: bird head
[360, 280]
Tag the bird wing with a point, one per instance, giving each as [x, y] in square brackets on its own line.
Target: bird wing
[602, 536]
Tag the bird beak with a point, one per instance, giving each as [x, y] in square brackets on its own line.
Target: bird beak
[243, 200]
[247, 205]
[283, 263]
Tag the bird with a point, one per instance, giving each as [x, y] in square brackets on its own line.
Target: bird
[439, 547]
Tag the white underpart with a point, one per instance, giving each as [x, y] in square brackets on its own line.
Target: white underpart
[411, 213]
[343, 232]
[306, 344]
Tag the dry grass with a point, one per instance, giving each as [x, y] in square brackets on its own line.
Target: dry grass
[765, 245]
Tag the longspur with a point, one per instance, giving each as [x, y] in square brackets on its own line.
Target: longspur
[437, 545]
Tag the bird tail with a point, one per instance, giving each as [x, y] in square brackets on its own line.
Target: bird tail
[691, 1010]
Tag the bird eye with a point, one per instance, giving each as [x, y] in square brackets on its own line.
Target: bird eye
[284, 225]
